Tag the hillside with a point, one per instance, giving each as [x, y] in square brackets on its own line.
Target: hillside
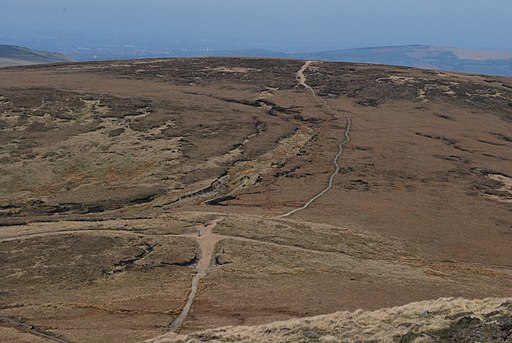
[144, 197]
[11, 56]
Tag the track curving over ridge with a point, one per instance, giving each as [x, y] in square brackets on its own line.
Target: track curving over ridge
[301, 78]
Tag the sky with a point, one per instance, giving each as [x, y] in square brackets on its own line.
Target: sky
[281, 25]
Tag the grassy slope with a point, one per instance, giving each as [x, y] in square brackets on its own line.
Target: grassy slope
[447, 319]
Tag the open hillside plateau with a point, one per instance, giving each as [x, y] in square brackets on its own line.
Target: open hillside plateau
[172, 196]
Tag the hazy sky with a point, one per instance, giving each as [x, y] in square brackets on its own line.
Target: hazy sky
[291, 24]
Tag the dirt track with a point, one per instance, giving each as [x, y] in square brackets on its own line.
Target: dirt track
[303, 81]
[207, 242]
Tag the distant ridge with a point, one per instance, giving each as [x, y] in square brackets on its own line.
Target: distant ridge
[426, 57]
[11, 56]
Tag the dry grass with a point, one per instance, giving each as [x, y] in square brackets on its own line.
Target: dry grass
[115, 279]
[360, 326]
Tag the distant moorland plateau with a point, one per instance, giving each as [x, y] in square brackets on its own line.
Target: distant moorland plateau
[426, 57]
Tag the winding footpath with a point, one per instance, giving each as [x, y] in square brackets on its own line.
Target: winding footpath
[301, 78]
[207, 240]
[203, 235]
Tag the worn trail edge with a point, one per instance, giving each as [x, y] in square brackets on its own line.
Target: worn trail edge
[22, 326]
[302, 81]
[207, 241]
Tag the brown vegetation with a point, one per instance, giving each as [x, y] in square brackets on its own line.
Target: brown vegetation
[108, 169]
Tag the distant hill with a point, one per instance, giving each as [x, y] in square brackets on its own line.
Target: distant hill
[426, 57]
[11, 56]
